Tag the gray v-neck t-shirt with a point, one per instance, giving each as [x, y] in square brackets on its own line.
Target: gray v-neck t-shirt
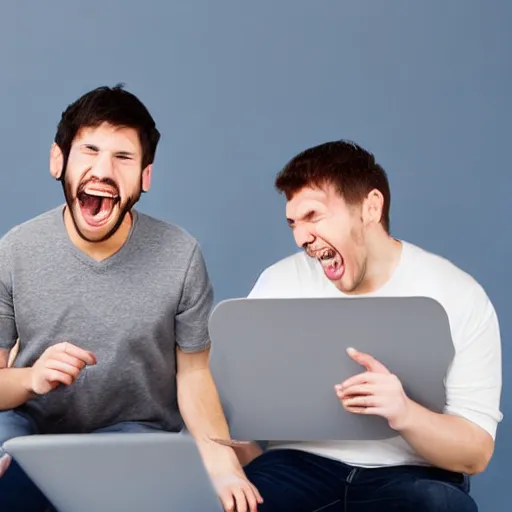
[131, 310]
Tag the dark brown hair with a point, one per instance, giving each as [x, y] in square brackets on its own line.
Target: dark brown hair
[115, 106]
[351, 169]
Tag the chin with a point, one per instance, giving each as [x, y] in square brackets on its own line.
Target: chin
[346, 286]
[93, 235]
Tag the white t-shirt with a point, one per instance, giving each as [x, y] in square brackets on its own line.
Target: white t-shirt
[473, 383]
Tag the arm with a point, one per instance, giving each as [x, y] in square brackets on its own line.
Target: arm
[14, 384]
[462, 438]
[198, 399]
[447, 441]
[201, 409]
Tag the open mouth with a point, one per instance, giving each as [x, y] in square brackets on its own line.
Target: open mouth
[332, 262]
[97, 206]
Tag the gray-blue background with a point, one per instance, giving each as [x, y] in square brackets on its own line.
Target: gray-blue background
[238, 87]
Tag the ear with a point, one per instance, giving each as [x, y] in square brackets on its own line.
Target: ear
[372, 208]
[146, 177]
[56, 161]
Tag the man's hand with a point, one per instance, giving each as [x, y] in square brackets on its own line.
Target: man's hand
[235, 491]
[59, 364]
[376, 391]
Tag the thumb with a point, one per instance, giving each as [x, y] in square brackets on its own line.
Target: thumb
[370, 363]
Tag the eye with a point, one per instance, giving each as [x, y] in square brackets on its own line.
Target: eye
[89, 149]
[124, 155]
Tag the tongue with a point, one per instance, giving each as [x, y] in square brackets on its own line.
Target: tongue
[96, 209]
[334, 270]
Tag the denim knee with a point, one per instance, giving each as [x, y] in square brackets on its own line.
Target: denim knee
[439, 496]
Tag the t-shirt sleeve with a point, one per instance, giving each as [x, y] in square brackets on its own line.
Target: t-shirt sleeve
[8, 331]
[191, 323]
[474, 380]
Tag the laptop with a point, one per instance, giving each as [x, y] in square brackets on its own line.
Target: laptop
[276, 362]
[157, 472]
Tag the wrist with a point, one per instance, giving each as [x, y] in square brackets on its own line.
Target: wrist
[217, 458]
[405, 421]
[26, 380]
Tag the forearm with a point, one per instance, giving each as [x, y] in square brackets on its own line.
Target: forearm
[14, 387]
[202, 413]
[447, 441]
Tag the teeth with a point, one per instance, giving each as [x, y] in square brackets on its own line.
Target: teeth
[99, 193]
[328, 255]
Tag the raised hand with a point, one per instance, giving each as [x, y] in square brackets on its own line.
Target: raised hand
[59, 364]
[376, 391]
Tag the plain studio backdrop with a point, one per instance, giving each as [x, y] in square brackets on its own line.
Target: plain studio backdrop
[238, 88]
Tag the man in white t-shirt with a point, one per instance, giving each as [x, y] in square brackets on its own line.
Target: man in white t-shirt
[338, 203]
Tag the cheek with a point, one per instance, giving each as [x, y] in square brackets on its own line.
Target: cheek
[71, 181]
[129, 188]
[334, 233]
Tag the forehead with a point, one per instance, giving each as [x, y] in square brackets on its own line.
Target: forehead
[109, 137]
[313, 199]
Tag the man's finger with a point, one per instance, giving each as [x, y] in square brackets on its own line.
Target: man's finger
[259, 498]
[361, 401]
[66, 358]
[251, 497]
[72, 350]
[357, 410]
[227, 500]
[55, 364]
[241, 500]
[373, 411]
[366, 360]
[5, 461]
[357, 389]
[57, 376]
[356, 380]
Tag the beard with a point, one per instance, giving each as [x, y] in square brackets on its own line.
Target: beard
[78, 200]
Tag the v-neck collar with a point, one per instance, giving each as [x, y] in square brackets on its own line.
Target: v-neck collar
[84, 257]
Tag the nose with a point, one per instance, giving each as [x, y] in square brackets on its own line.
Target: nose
[103, 167]
[303, 236]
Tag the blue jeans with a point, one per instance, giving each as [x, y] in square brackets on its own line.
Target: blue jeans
[17, 491]
[304, 482]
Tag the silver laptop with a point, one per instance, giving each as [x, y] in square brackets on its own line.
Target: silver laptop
[157, 472]
[276, 362]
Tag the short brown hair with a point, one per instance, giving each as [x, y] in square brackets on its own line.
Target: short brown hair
[113, 105]
[351, 169]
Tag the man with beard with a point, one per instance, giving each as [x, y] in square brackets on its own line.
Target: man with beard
[110, 306]
[338, 202]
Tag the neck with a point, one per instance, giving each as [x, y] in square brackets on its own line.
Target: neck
[98, 250]
[384, 254]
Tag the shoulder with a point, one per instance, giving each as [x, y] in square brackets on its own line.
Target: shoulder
[165, 234]
[462, 296]
[30, 231]
[442, 273]
[167, 245]
[292, 276]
